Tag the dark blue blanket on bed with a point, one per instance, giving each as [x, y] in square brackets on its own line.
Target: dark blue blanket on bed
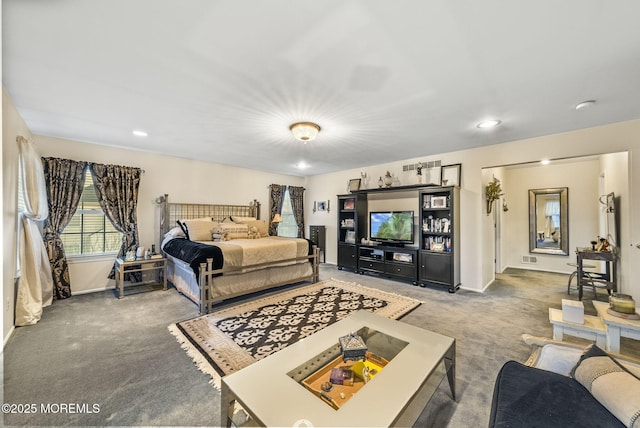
[194, 253]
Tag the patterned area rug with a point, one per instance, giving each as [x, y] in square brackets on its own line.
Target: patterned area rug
[226, 341]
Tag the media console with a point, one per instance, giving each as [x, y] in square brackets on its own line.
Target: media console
[392, 262]
[435, 261]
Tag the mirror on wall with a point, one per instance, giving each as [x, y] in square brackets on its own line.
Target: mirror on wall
[548, 221]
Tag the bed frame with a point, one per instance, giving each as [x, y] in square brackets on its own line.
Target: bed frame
[171, 212]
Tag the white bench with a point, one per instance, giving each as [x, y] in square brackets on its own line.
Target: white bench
[592, 329]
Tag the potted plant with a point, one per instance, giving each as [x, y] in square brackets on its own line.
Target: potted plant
[419, 172]
[493, 191]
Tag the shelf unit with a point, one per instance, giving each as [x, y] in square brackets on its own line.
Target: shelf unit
[318, 235]
[352, 211]
[439, 225]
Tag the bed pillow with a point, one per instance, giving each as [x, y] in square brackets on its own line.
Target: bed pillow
[239, 219]
[232, 231]
[615, 387]
[199, 229]
[176, 232]
[261, 225]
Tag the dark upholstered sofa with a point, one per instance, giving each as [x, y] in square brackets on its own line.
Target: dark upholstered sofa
[529, 397]
[567, 385]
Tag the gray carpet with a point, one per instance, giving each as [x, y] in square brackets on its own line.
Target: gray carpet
[118, 354]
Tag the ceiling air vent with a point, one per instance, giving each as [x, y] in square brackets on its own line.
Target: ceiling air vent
[530, 260]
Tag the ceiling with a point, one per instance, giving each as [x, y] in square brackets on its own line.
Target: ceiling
[222, 81]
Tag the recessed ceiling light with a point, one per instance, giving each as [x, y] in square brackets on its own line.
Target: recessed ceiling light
[140, 133]
[585, 104]
[545, 161]
[302, 165]
[489, 123]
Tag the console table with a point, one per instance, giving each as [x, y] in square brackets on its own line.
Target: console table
[608, 279]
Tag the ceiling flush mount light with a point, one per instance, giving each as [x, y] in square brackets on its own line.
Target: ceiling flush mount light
[140, 133]
[488, 124]
[585, 104]
[304, 131]
[545, 161]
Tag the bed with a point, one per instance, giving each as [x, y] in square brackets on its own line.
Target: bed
[217, 252]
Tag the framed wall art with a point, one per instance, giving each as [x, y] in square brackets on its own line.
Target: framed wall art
[354, 184]
[451, 175]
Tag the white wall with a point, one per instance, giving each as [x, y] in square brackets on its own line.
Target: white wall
[476, 228]
[182, 179]
[581, 178]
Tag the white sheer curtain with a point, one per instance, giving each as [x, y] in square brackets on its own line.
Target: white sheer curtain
[552, 214]
[35, 285]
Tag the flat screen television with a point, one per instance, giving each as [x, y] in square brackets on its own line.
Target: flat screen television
[391, 227]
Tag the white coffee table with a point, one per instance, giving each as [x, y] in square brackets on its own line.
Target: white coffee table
[616, 327]
[395, 397]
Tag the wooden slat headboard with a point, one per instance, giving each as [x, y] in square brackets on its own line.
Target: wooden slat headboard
[171, 212]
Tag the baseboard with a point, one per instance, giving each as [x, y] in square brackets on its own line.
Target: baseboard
[93, 290]
[537, 270]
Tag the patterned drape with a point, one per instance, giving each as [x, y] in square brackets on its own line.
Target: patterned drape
[276, 200]
[297, 195]
[117, 191]
[64, 180]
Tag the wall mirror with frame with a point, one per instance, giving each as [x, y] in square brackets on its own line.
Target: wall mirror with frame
[548, 221]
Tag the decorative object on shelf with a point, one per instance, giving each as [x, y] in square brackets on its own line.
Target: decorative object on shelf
[419, 172]
[354, 184]
[450, 175]
[350, 237]
[380, 182]
[364, 180]
[388, 179]
[438, 202]
[304, 131]
[352, 347]
[349, 204]
[493, 191]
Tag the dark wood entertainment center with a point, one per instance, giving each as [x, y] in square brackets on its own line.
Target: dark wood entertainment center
[436, 258]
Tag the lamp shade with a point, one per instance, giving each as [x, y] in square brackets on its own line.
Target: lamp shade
[276, 218]
[304, 131]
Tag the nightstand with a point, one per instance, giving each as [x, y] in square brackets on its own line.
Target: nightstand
[158, 264]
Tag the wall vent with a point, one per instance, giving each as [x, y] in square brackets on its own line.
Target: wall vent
[425, 164]
[531, 260]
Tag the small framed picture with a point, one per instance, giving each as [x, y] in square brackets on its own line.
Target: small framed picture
[354, 184]
[322, 206]
[437, 246]
[451, 175]
[438, 202]
[349, 204]
[350, 237]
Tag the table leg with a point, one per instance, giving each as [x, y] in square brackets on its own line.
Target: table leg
[558, 332]
[450, 365]
[613, 338]
[164, 275]
[121, 284]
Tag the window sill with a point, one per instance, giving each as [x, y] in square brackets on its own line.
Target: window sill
[88, 258]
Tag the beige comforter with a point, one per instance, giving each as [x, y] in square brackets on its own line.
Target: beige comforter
[245, 255]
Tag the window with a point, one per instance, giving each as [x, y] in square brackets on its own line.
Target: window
[90, 231]
[288, 226]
